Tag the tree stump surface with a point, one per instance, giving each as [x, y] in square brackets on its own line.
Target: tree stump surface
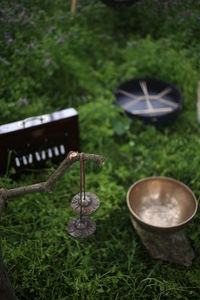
[168, 246]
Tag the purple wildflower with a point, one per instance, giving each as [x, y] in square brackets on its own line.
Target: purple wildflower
[23, 101]
[30, 46]
[10, 40]
[8, 37]
[22, 13]
[16, 6]
[48, 62]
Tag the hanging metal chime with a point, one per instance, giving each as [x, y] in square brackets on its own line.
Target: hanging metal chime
[84, 204]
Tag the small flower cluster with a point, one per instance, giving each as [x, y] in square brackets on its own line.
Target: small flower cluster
[23, 101]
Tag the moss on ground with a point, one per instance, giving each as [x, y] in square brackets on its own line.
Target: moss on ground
[50, 61]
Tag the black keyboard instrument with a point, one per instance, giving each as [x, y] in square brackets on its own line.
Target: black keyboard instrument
[31, 142]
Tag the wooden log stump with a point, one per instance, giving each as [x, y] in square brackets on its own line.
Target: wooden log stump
[171, 246]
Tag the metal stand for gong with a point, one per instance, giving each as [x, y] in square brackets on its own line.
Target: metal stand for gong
[73, 6]
[83, 204]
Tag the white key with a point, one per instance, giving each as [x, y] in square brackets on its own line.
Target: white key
[62, 149]
[17, 162]
[30, 158]
[43, 155]
[37, 155]
[24, 160]
[56, 151]
[50, 154]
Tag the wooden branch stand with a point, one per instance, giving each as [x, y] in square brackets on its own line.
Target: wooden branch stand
[6, 292]
[171, 246]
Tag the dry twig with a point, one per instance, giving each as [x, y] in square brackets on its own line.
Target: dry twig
[47, 186]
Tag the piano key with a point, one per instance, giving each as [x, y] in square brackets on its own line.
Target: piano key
[56, 151]
[50, 154]
[37, 155]
[24, 160]
[62, 149]
[17, 162]
[43, 154]
[30, 158]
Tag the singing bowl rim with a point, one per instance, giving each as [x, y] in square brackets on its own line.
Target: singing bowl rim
[161, 228]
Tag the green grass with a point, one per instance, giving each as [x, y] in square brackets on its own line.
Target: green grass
[56, 61]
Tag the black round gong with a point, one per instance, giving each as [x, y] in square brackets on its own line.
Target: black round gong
[154, 101]
[119, 2]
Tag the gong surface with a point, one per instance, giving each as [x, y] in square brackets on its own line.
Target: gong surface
[161, 202]
[149, 99]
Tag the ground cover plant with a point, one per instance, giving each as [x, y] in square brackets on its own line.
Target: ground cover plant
[50, 61]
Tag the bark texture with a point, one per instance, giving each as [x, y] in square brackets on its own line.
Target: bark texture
[169, 246]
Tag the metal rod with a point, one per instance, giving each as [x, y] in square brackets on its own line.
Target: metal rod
[73, 6]
[135, 98]
[83, 179]
[164, 92]
[156, 110]
[81, 184]
[146, 94]
[158, 97]
[131, 95]
[133, 102]
[168, 102]
[198, 103]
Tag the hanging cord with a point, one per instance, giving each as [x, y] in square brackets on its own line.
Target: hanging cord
[82, 184]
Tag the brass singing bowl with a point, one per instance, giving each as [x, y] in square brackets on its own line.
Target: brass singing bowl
[161, 203]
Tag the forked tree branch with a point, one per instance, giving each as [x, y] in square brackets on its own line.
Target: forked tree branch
[47, 186]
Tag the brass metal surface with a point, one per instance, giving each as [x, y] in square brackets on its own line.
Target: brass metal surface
[81, 228]
[161, 203]
[89, 205]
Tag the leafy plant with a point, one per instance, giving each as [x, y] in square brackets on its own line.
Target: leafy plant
[54, 61]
